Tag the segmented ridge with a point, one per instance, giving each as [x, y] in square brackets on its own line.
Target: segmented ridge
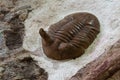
[57, 26]
[69, 30]
[84, 38]
[76, 33]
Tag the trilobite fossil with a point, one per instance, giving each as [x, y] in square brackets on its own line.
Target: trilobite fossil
[71, 36]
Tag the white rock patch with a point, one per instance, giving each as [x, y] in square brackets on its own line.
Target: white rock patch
[108, 13]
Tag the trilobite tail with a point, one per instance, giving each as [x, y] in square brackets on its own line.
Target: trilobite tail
[45, 36]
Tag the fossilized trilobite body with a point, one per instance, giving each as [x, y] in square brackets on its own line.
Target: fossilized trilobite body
[70, 37]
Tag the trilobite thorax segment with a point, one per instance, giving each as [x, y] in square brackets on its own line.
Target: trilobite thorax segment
[69, 37]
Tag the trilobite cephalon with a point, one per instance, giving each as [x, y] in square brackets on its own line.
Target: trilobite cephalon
[69, 37]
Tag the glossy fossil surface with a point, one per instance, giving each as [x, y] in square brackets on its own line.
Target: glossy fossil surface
[68, 38]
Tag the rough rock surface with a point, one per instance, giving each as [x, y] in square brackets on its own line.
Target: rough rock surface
[21, 67]
[12, 28]
[14, 63]
[47, 12]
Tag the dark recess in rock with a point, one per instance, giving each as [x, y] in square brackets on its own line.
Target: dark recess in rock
[22, 69]
[14, 17]
[14, 36]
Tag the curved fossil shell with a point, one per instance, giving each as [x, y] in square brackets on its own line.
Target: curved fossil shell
[68, 38]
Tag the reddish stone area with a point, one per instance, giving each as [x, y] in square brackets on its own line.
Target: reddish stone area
[105, 67]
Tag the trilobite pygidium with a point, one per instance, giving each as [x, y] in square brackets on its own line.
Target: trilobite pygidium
[69, 37]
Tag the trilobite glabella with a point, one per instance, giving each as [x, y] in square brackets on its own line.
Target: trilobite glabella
[68, 38]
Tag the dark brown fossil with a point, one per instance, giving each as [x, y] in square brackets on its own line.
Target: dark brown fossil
[68, 38]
